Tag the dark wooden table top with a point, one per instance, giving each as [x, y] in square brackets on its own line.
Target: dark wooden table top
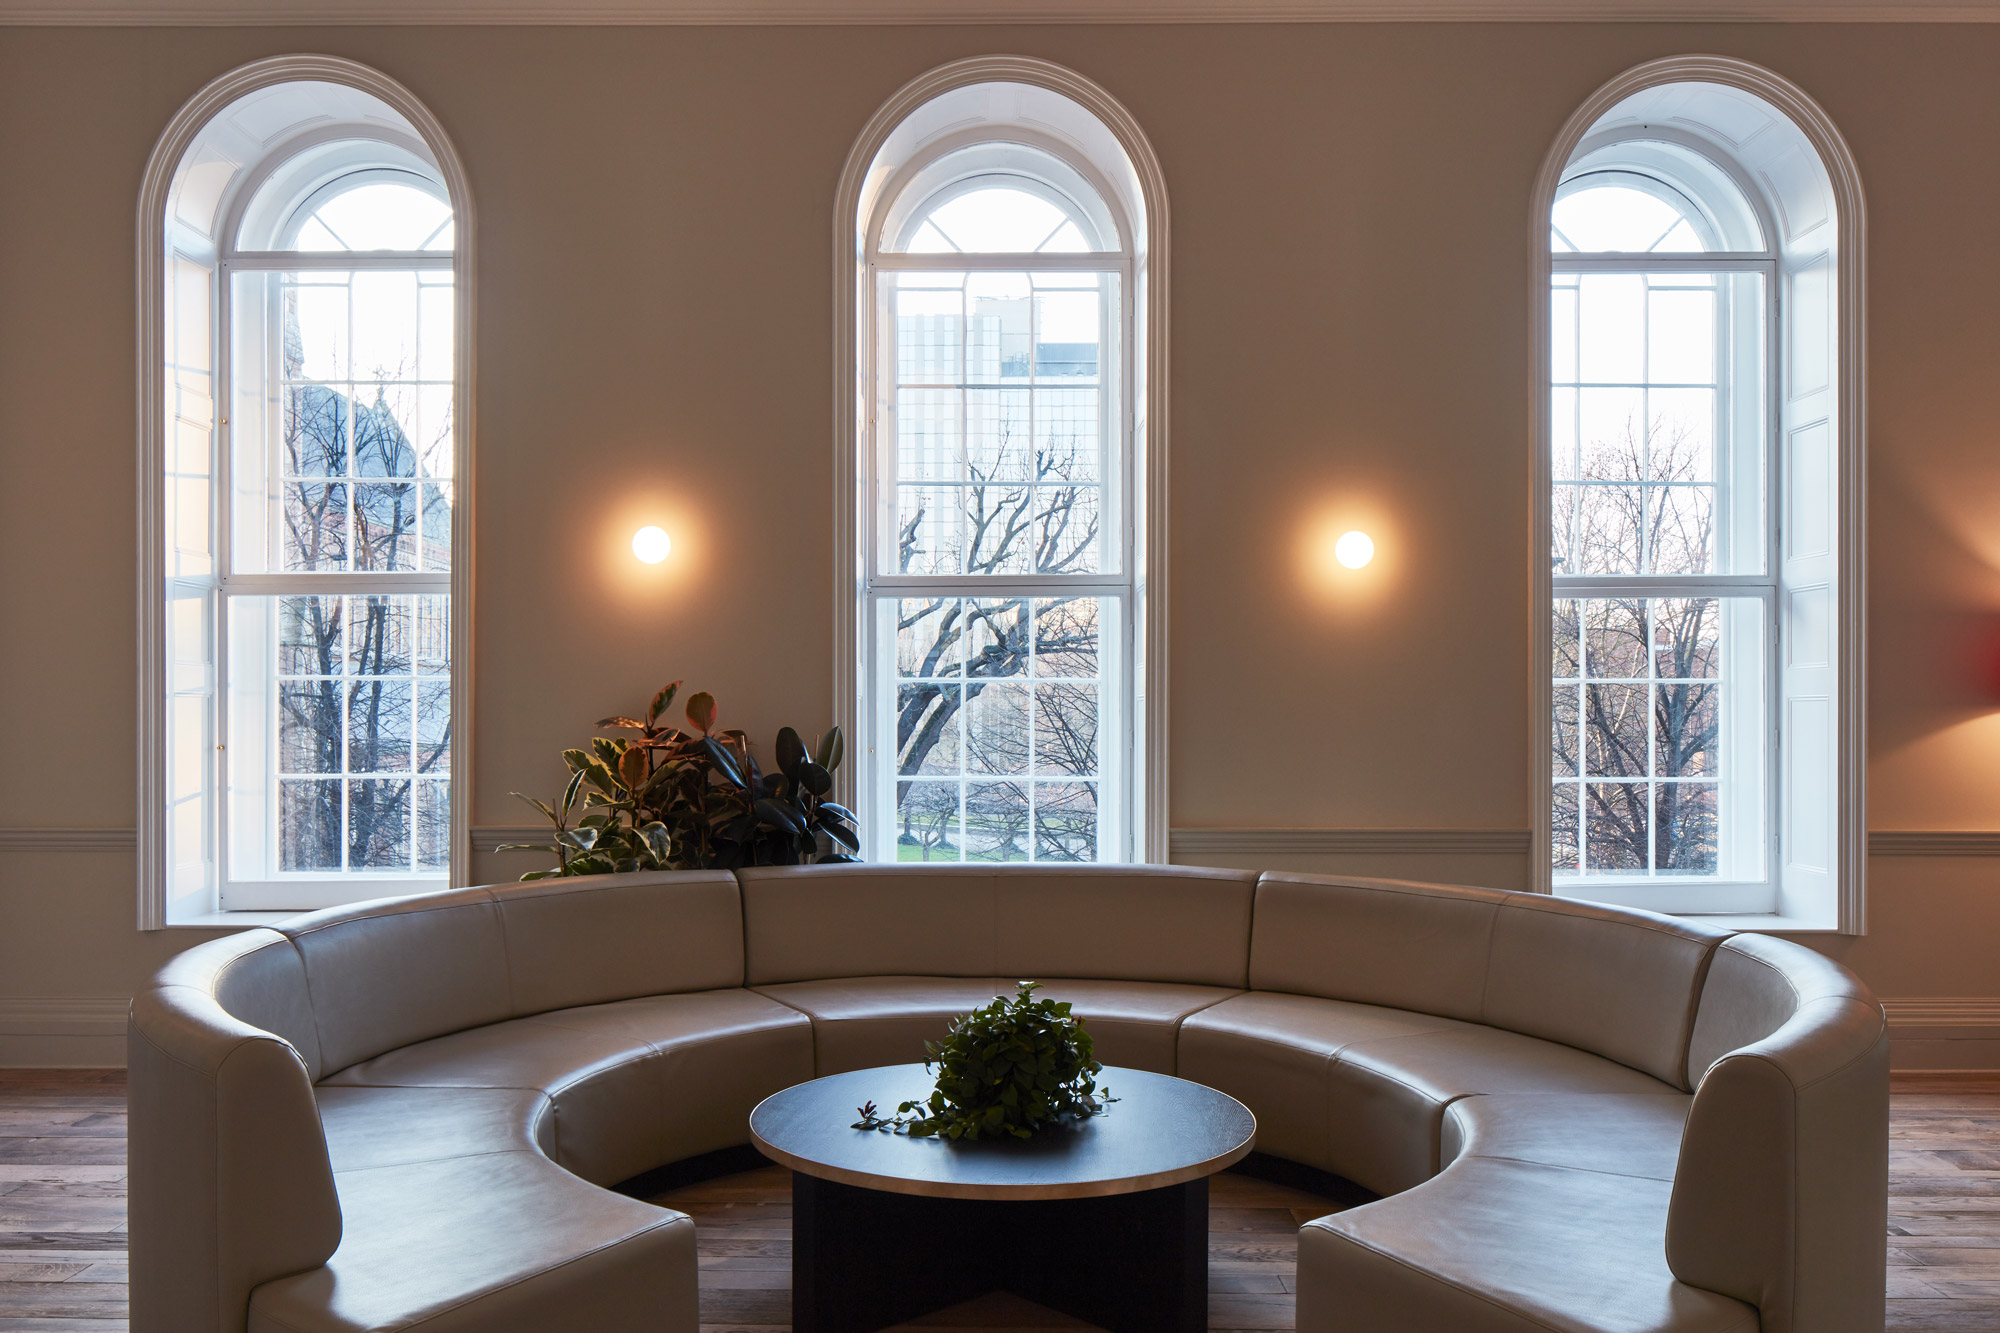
[1161, 1131]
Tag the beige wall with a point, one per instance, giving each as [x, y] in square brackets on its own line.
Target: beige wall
[1350, 310]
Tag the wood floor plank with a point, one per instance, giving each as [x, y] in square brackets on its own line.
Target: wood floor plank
[63, 1270]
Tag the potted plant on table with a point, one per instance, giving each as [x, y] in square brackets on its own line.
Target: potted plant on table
[1017, 1066]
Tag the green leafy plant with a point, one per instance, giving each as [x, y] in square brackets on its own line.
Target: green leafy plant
[693, 799]
[1014, 1067]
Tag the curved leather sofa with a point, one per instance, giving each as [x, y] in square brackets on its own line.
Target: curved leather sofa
[401, 1115]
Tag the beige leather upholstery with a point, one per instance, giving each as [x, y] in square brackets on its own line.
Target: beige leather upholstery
[1625, 988]
[1781, 1197]
[1421, 947]
[863, 1022]
[501, 1242]
[1120, 923]
[1517, 1067]
[385, 974]
[610, 937]
[617, 1076]
[1495, 1245]
[229, 1182]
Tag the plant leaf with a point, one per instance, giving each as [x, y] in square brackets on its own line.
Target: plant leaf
[780, 813]
[583, 839]
[660, 702]
[791, 751]
[633, 723]
[839, 812]
[831, 749]
[840, 834]
[632, 769]
[813, 778]
[725, 762]
[658, 841]
[701, 711]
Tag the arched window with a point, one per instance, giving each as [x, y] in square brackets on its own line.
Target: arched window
[307, 442]
[1702, 459]
[1004, 445]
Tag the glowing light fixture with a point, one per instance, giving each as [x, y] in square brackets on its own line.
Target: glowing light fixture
[652, 544]
[1354, 549]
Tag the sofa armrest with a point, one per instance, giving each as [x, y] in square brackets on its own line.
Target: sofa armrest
[1780, 1194]
[230, 1184]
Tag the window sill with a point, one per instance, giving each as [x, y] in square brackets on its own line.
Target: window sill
[240, 920]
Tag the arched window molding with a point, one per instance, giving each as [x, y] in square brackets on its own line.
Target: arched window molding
[374, 107]
[1784, 151]
[1106, 146]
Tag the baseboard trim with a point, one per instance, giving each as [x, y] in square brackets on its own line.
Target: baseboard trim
[63, 1015]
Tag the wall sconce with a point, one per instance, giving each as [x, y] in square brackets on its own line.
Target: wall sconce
[652, 544]
[1354, 549]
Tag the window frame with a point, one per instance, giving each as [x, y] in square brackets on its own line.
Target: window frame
[159, 904]
[1127, 173]
[1699, 893]
[1804, 897]
[879, 482]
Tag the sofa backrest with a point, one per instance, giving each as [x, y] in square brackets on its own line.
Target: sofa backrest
[1119, 923]
[388, 973]
[599, 938]
[1618, 983]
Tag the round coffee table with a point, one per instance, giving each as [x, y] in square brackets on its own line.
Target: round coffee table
[1105, 1219]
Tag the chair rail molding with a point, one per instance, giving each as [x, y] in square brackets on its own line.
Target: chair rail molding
[213, 13]
[1196, 842]
[68, 839]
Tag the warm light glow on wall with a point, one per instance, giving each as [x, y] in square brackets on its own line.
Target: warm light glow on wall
[651, 544]
[1354, 549]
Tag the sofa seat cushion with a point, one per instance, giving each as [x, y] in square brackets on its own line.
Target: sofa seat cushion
[864, 1022]
[1495, 1245]
[1625, 1134]
[1360, 1090]
[498, 1242]
[617, 1076]
[375, 1127]
[1271, 1050]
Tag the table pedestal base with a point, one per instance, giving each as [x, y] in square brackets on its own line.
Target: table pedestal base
[865, 1259]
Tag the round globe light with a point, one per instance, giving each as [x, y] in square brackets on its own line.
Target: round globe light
[1354, 549]
[652, 544]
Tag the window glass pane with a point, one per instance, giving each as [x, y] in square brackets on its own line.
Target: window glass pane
[1661, 426]
[1001, 698]
[1640, 754]
[1624, 218]
[1001, 218]
[366, 381]
[360, 704]
[927, 816]
[382, 215]
[1002, 389]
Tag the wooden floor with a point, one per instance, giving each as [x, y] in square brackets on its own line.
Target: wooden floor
[62, 1222]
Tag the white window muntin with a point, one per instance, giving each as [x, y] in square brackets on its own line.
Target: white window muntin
[1747, 467]
[249, 591]
[987, 162]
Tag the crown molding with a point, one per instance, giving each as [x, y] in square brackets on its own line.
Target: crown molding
[295, 13]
